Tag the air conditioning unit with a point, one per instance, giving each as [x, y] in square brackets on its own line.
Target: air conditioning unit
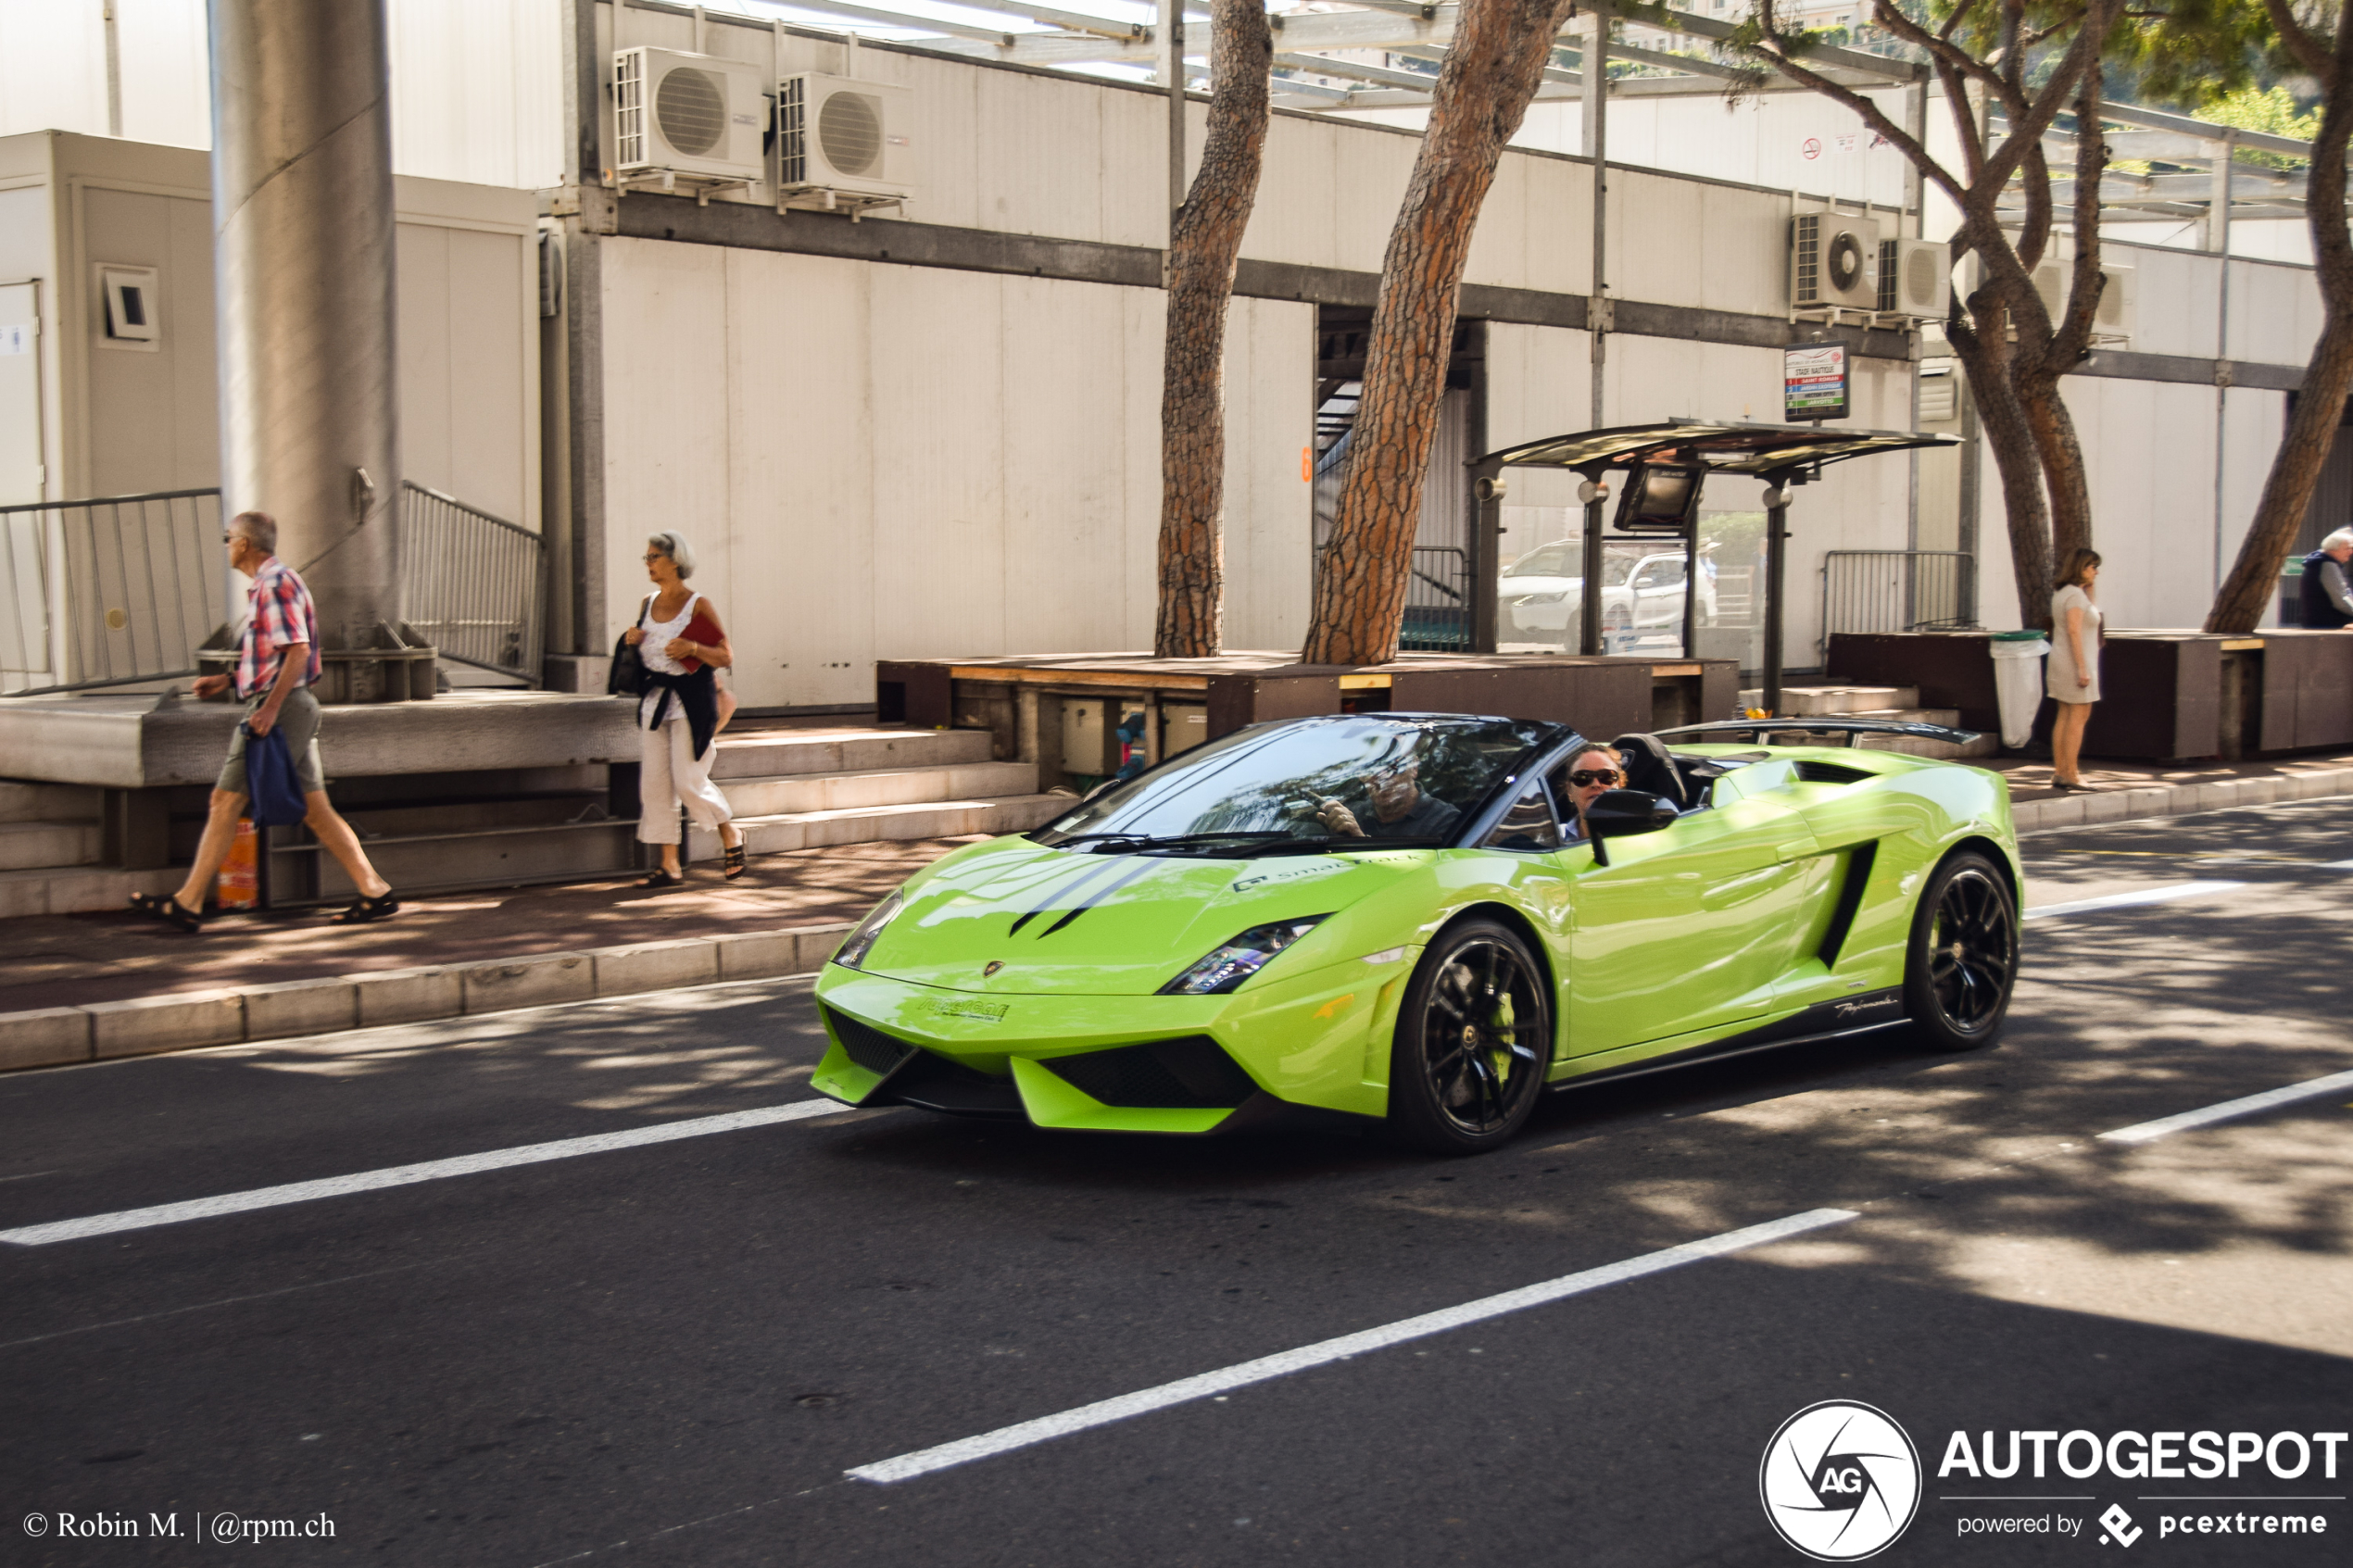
[691, 117]
[1915, 279]
[2119, 311]
[841, 142]
[1831, 261]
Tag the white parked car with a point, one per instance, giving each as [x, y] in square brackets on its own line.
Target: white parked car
[1543, 592]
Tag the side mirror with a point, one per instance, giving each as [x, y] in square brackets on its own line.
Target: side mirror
[1620, 813]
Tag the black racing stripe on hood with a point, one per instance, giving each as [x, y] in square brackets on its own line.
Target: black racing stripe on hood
[1066, 890]
[1098, 897]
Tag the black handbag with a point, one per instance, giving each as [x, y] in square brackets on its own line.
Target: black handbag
[627, 676]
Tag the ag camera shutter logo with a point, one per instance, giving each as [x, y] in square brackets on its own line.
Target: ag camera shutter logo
[1841, 1481]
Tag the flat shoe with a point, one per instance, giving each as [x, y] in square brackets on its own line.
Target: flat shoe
[168, 909]
[734, 864]
[662, 879]
[360, 911]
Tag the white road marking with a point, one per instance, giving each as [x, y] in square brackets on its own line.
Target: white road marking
[2231, 1109]
[2139, 896]
[1210, 1384]
[405, 1175]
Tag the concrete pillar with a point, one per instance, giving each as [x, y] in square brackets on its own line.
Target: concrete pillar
[303, 264]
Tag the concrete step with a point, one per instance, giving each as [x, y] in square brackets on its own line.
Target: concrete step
[934, 819]
[769, 753]
[74, 890]
[49, 802]
[797, 793]
[1948, 717]
[1838, 701]
[35, 845]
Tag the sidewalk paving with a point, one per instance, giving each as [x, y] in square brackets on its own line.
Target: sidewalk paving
[71, 984]
[73, 960]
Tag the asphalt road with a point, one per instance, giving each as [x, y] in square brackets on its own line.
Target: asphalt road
[671, 1353]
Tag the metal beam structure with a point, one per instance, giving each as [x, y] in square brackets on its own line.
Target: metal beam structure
[1320, 44]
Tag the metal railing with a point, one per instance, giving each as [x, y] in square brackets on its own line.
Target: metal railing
[1438, 606]
[108, 593]
[472, 584]
[121, 590]
[1897, 591]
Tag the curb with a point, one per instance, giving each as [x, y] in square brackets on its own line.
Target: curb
[2174, 800]
[189, 1020]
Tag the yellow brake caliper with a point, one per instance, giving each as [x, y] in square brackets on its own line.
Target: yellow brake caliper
[1506, 1034]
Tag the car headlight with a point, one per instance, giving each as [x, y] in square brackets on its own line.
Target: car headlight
[1544, 598]
[853, 951]
[1237, 961]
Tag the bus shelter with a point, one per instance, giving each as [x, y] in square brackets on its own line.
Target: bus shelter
[1668, 466]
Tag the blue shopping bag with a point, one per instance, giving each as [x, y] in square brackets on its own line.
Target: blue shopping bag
[269, 780]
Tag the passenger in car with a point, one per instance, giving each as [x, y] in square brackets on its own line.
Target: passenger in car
[1584, 779]
[1399, 809]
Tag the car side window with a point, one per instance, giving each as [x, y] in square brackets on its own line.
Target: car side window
[1529, 824]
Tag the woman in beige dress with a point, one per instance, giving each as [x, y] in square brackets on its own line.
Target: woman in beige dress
[2076, 665]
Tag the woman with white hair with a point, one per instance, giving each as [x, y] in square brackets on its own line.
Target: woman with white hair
[679, 637]
[2324, 596]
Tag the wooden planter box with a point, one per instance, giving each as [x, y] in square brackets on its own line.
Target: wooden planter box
[2168, 694]
[1020, 701]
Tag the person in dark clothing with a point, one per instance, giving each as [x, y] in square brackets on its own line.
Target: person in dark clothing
[1399, 809]
[2325, 597]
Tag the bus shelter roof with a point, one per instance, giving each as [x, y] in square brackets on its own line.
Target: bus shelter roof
[1742, 448]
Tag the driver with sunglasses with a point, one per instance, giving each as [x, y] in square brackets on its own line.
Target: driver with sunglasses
[1590, 774]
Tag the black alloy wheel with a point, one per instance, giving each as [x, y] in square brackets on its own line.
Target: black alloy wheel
[1963, 961]
[1474, 1039]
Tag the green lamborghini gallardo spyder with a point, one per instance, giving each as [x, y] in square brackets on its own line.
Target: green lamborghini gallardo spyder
[1403, 916]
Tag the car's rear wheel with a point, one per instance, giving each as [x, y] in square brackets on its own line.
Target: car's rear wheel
[1473, 1038]
[1963, 960]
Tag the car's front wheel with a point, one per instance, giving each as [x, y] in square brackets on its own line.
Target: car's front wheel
[1473, 1038]
[1963, 959]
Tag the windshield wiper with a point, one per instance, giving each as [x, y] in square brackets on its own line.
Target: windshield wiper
[1116, 843]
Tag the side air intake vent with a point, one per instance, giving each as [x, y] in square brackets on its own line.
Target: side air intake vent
[1187, 1074]
[867, 1046]
[1832, 773]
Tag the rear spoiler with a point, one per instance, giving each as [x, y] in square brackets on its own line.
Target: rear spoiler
[1757, 730]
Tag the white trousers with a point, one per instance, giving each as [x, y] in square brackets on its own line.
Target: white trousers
[670, 775]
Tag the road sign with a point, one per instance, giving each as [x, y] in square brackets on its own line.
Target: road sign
[1814, 382]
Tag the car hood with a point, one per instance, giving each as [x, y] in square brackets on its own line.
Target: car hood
[1072, 924]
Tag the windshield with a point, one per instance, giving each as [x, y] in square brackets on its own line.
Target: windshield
[1335, 781]
[1550, 562]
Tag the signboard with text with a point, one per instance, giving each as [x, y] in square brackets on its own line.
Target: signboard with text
[1814, 382]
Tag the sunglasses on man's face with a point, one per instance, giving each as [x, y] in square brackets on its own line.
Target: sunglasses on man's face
[1586, 777]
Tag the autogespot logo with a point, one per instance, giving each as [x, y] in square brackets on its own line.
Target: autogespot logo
[1840, 1481]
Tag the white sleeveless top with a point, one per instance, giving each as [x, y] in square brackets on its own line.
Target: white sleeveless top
[659, 636]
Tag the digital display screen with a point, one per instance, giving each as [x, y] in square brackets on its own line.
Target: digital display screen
[1660, 499]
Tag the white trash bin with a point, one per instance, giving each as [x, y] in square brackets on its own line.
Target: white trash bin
[2017, 682]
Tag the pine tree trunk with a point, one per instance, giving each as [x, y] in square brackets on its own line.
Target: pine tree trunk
[1491, 71]
[1204, 247]
[1985, 353]
[2239, 602]
[2064, 479]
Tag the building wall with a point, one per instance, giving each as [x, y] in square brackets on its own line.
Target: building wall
[123, 421]
[477, 88]
[881, 461]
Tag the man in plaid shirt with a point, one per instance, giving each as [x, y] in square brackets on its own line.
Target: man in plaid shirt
[277, 663]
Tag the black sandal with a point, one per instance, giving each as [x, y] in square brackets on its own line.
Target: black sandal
[167, 908]
[662, 879]
[734, 862]
[363, 910]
